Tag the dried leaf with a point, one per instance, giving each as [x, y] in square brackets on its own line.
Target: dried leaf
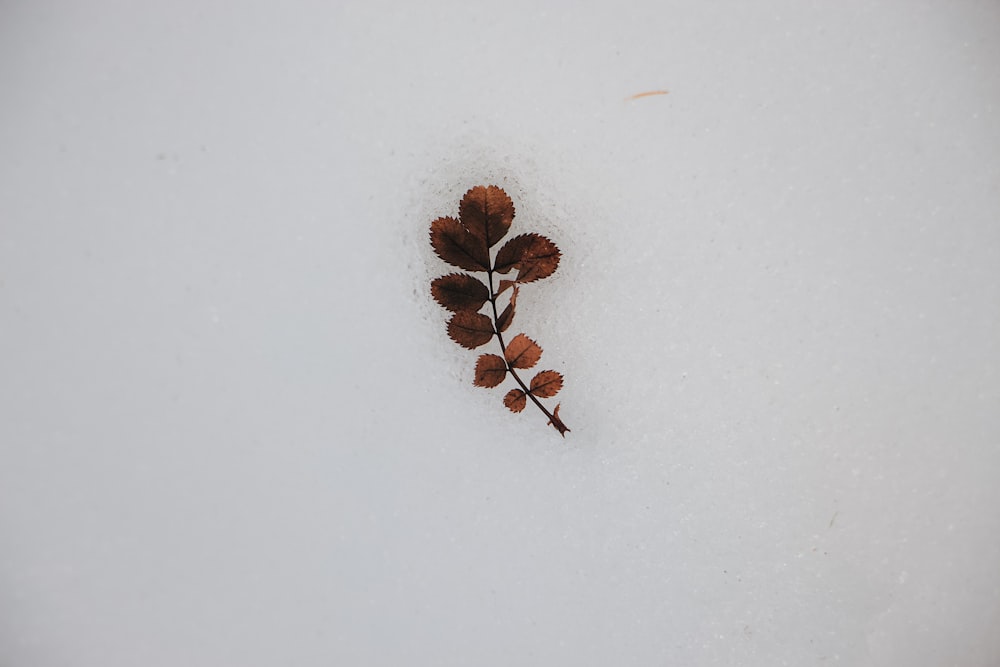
[507, 316]
[540, 261]
[512, 251]
[490, 370]
[522, 352]
[454, 244]
[486, 211]
[470, 330]
[515, 400]
[533, 255]
[485, 217]
[546, 384]
[459, 291]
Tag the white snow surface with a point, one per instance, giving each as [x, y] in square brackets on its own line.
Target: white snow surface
[233, 431]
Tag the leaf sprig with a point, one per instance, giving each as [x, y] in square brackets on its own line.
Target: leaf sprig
[485, 215]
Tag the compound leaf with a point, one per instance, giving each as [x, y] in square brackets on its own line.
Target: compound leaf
[485, 215]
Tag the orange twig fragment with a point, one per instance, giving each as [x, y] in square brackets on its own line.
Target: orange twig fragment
[648, 93]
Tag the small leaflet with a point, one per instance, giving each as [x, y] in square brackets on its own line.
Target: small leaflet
[515, 400]
[522, 352]
[470, 330]
[507, 316]
[534, 256]
[546, 384]
[459, 291]
[454, 244]
[490, 370]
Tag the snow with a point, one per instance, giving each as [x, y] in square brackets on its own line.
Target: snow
[234, 431]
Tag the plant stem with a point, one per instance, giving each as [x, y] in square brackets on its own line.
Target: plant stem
[554, 421]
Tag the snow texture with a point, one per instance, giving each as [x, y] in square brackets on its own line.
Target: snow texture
[234, 432]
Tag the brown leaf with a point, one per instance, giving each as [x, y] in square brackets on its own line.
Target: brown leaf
[486, 211]
[546, 383]
[490, 370]
[459, 291]
[540, 261]
[484, 218]
[454, 244]
[507, 316]
[533, 255]
[522, 352]
[470, 330]
[515, 400]
[511, 252]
